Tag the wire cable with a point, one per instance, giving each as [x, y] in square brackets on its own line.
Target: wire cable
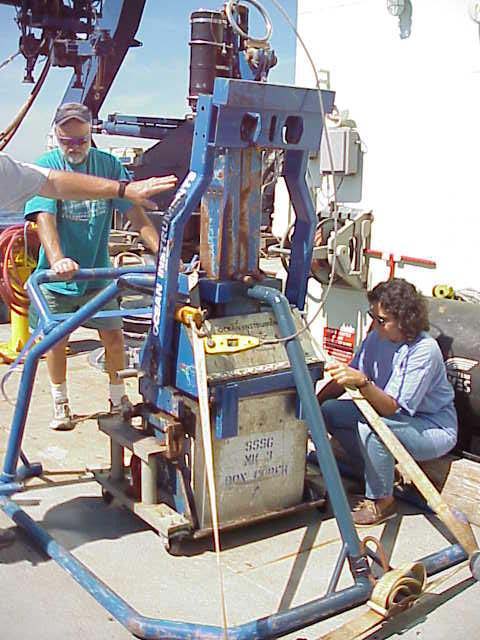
[334, 202]
[16, 363]
[9, 59]
[230, 8]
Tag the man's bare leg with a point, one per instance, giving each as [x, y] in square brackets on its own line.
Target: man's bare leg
[114, 344]
[57, 371]
[57, 362]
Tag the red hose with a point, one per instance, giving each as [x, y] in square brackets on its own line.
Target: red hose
[12, 249]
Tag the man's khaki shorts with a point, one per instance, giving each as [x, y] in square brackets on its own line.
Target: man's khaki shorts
[60, 303]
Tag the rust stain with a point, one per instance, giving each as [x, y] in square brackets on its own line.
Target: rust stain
[226, 262]
[249, 202]
[233, 259]
[141, 627]
[205, 255]
[244, 221]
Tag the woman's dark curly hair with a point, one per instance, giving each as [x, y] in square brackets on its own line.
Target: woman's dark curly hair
[407, 305]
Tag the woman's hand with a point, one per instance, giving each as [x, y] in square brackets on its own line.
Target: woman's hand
[346, 376]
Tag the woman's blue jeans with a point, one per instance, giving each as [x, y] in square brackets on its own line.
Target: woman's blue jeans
[367, 455]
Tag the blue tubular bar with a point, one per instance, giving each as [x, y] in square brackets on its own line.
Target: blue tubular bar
[41, 277]
[303, 236]
[273, 626]
[280, 307]
[138, 127]
[155, 360]
[444, 559]
[56, 333]
[114, 313]
[8, 488]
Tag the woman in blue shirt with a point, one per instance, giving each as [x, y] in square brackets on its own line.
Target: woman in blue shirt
[399, 369]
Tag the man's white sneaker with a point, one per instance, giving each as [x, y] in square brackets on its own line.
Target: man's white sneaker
[62, 417]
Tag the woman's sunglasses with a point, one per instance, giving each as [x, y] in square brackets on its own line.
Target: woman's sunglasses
[73, 142]
[374, 316]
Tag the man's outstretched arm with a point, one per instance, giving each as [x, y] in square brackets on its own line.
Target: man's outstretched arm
[62, 185]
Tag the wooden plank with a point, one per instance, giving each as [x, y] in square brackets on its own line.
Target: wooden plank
[136, 441]
[457, 480]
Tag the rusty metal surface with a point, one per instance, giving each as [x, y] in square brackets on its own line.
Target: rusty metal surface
[271, 515]
[248, 243]
[230, 219]
[175, 440]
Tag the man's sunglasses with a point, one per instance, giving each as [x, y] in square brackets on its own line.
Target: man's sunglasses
[73, 142]
[379, 319]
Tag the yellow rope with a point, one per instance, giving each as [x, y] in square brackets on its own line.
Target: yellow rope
[205, 423]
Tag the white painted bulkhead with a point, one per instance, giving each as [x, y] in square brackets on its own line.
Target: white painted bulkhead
[415, 101]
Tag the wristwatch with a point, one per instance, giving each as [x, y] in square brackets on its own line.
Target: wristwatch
[122, 185]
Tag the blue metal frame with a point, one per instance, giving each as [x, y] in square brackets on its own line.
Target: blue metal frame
[141, 626]
[240, 115]
[313, 416]
[274, 626]
[232, 126]
[55, 331]
[49, 320]
[158, 350]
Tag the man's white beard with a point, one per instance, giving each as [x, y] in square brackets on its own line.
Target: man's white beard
[77, 158]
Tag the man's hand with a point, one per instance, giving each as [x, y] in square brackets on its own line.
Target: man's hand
[65, 267]
[344, 375]
[140, 191]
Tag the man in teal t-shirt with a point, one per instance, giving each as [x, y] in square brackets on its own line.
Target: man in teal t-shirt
[74, 234]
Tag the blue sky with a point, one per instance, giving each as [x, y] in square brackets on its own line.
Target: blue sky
[152, 81]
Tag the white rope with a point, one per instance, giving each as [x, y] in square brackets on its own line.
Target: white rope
[334, 201]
